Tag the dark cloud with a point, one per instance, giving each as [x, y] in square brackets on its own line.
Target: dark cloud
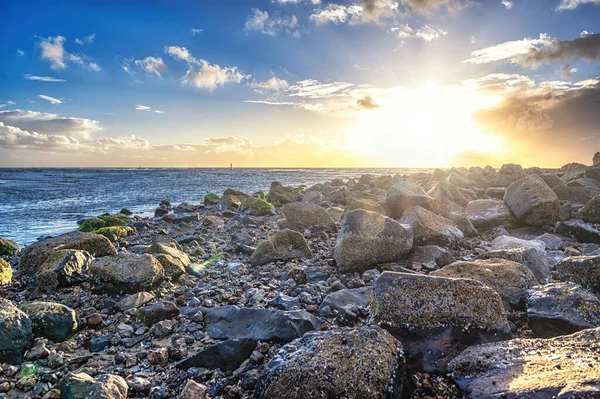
[367, 103]
[586, 47]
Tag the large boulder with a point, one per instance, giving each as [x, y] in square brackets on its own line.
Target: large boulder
[367, 239]
[532, 202]
[351, 363]
[63, 268]
[591, 211]
[285, 245]
[6, 272]
[230, 322]
[583, 270]
[580, 230]
[509, 279]
[257, 207]
[429, 228]
[15, 333]
[127, 272]
[532, 258]
[437, 317]
[51, 320]
[509, 242]
[172, 259]
[280, 195]
[36, 254]
[487, 214]
[83, 386]
[562, 367]
[405, 194]
[305, 215]
[561, 308]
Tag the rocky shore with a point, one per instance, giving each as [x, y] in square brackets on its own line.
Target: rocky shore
[460, 283]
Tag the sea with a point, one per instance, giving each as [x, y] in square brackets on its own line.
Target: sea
[36, 203]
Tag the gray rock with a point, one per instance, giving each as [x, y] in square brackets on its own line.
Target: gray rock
[563, 367]
[429, 228]
[405, 194]
[305, 215]
[509, 242]
[552, 242]
[127, 272]
[285, 302]
[336, 213]
[511, 169]
[343, 363]
[230, 322]
[280, 195]
[347, 303]
[193, 390]
[487, 214]
[51, 320]
[367, 238]
[437, 317]
[579, 230]
[63, 268]
[227, 355]
[591, 211]
[429, 257]
[173, 261]
[532, 258]
[561, 309]
[159, 311]
[532, 202]
[284, 245]
[583, 270]
[15, 333]
[83, 386]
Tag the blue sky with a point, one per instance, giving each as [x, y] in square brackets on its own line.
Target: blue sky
[293, 82]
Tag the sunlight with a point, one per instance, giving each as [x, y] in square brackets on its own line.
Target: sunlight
[424, 127]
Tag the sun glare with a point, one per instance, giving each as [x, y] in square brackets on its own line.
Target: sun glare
[424, 127]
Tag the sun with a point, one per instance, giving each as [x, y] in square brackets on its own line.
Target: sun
[423, 127]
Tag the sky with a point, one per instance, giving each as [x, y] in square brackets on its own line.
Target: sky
[299, 83]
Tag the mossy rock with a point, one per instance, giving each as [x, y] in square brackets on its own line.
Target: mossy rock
[114, 233]
[90, 225]
[93, 224]
[8, 247]
[211, 199]
[6, 272]
[261, 195]
[257, 206]
[230, 201]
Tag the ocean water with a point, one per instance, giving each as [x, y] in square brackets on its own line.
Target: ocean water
[41, 202]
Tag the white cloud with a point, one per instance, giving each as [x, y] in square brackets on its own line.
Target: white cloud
[473, 40]
[86, 40]
[508, 4]
[311, 88]
[180, 53]
[142, 108]
[94, 66]
[52, 100]
[507, 50]
[54, 51]
[196, 31]
[495, 83]
[152, 66]
[337, 14]
[262, 22]
[307, 106]
[273, 83]
[573, 4]
[316, 2]
[158, 111]
[20, 53]
[426, 33]
[42, 78]
[50, 124]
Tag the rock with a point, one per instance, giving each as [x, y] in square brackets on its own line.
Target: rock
[285, 302]
[173, 261]
[304, 215]
[313, 196]
[486, 214]
[569, 193]
[583, 270]
[6, 272]
[336, 213]
[230, 322]
[8, 247]
[63, 268]
[284, 245]
[508, 242]
[339, 196]
[561, 309]
[227, 355]
[596, 159]
[368, 205]
[51, 320]
[437, 317]
[351, 363]
[580, 230]
[280, 195]
[429, 228]
[163, 310]
[405, 194]
[511, 169]
[591, 211]
[115, 233]
[551, 241]
[15, 333]
[367, 239]
[98, 344]
[160, 212]
[257, 207]
[347, 304]
[562, 367]
[531, 258]
[127, 272]
[36, 254]
[83, 386]
[430, 257]
[193, 390]
[230, 201]
[136, 300]
[509, 279]
[532, 202]
[159, 356]
[211, 199]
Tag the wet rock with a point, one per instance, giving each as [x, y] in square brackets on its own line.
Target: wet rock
[173, 261]
[193, 390]
[15, 333]
[304, 215]
[580, 230]
[230, 322]
[354, 363]
[532, 202]
[487, 214]
[63, 268]
[583, 270]
[36, 254]
[532, 258]
[280, 195]
[6, 272]
[163, 310]
[127, 272]
[562, 367]
[509, 279]
[83, 386]
[508, 242]
[285, 302]
[429, 257]
[429, 228]
[284, 245]
[227, 355]
[405, 194]
[436, 317]
[561, 309]
[367, 238]
[51, 320]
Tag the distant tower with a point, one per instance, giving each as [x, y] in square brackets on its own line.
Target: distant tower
[231, 165]
[596, 159]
